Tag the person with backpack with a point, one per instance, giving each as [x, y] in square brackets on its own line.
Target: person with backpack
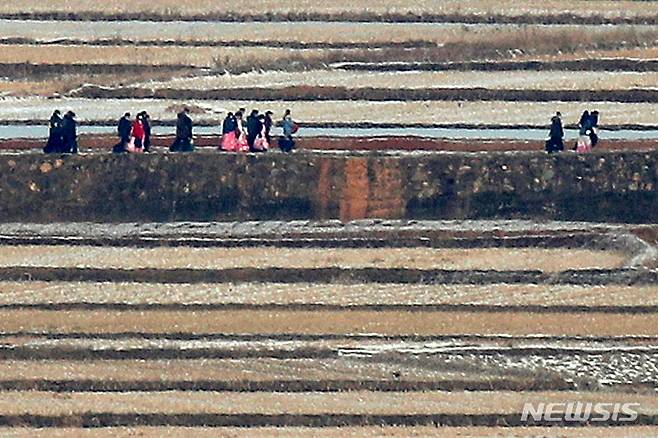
[286, 142]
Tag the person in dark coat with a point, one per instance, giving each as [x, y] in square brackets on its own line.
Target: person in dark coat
[69, 134]
[229, 141]
[230, 124]
[146, 121]
[124, 130]
[584, 123]
[254, 128]
[594, 125]
[183, 142]
[55, 142]
[555, 142]
[268, 126]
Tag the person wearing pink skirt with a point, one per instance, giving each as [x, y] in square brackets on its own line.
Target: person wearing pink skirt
[584, 144]
[229, 137]
[241, 135]
[260, 143]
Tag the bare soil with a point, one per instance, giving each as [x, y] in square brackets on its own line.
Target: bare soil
[332, 322]
[336, 294]
[548, 260]
[226, 370]
[500, 402]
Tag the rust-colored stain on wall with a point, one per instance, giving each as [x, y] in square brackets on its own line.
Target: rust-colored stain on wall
[325, 190]
[354, 202]
[373, 189]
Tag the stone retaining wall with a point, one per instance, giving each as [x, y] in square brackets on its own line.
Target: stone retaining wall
[207, 186]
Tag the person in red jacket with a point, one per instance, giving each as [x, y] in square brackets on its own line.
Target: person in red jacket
[139, 132]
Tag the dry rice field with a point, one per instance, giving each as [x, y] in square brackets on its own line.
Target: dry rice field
[151, 357]
[505, 7]
[324, 329]
[428, 112]
[57, 51]
[332, 294]
[541, 80]
[346, 357]
[366, 35]
[546, 260]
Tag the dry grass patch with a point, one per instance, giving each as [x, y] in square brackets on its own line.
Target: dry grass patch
[204, 57]
[65, 83]
[466, 46]
[520, 80]
[494, 36]
[194, 7]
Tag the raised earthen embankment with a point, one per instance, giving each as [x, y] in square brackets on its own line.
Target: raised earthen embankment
[204, 186]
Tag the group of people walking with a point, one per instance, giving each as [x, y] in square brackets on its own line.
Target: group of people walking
[587, 133]
[238, 134]
[134, 135]
[63, 136]
[251, 135]
[256, 134]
